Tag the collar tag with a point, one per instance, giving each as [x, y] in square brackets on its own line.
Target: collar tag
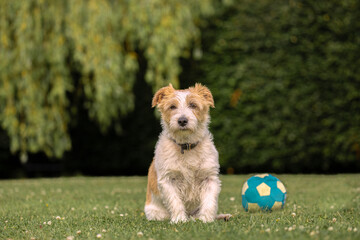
[186, 146]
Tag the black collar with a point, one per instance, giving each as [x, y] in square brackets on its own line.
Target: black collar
[186, 146]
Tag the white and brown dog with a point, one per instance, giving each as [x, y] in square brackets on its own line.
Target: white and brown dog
[183, 179]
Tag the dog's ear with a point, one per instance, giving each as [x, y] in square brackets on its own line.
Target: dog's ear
[205, 93]
[161, 94]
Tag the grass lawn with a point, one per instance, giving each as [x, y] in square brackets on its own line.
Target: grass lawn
[317, 207]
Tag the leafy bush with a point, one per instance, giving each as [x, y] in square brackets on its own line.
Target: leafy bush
[286, 78]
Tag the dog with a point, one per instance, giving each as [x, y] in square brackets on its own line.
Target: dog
[183, 178]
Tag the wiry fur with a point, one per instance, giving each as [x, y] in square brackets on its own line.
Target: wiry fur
[184, 185]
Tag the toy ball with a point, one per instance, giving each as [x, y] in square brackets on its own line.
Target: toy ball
[263, 191]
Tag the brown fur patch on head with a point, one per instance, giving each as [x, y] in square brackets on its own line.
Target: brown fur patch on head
[203, 92]
[165, 107]
[198, 105]
[162, 94]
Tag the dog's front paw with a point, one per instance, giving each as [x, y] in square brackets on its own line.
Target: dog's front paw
[182, 217]
[206, 218]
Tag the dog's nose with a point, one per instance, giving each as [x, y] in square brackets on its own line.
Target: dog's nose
[182, 121]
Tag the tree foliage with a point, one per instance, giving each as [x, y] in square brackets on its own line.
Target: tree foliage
[44, 43]
[286, 80]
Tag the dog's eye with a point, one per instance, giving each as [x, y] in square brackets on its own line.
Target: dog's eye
[172, 107]
[192, 105]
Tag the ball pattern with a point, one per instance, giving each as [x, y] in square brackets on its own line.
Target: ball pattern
[263, 191]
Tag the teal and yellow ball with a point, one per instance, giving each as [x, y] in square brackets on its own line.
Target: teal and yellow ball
[263, 192]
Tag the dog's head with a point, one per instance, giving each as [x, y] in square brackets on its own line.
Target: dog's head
[184, 112]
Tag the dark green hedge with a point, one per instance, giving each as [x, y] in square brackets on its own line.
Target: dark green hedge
[286, 80]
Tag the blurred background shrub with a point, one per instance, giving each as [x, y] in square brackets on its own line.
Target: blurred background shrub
[77, 77]
[286, 79]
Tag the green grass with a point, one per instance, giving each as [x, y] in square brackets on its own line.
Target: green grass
[115, 205]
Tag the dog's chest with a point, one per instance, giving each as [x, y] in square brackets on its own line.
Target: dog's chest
[188, 174]
[186, 169]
